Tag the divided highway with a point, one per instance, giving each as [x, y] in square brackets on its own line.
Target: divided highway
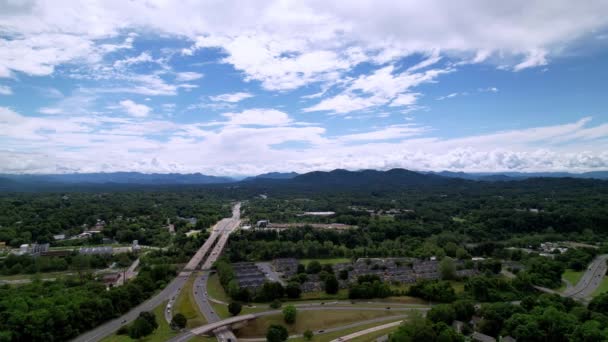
[223, 227]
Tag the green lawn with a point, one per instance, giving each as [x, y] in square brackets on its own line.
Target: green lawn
[311, 320]
[186, 304]
[215, 289]
[573, 276]
[325, 261]
[602, 288]
[161, 334]
[41, 275]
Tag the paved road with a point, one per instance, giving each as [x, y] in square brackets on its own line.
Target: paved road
[590, 281]
[128, 274]
[168, 292]
[367, 331]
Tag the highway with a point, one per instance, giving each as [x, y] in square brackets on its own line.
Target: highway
[590, 281]
[170, 291]
[223, 229]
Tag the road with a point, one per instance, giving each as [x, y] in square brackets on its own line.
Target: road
[168, 292]
[367, 331]
[128, 274]
[590, 281]
[223, 229]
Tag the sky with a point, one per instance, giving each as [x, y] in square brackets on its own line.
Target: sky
[240, 88]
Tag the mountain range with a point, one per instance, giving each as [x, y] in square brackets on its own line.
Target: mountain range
[326, 179]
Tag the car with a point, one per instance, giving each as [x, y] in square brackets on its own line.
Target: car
[320, 331]
[123, 321]
[388, 308]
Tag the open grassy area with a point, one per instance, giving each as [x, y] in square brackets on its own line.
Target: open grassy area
[186, 304]
[161, 334]
[313, 320]
[573, 276]
[602, 288]
[41, 275]
[325, 261]
[215, 289]
[321, 295]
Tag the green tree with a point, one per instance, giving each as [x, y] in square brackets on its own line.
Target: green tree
[140, 328]
[179, 321]
[313, 267]
[442, 313]
[331, 284]
[293, 290]
[289, 314]
[276, 333]
[447, 268]
[415, 329]
[235, 308]
[308, 335]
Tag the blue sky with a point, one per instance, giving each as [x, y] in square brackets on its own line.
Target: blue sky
[233, 88]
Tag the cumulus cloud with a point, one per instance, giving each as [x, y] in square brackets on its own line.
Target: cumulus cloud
[135, 109]
[253, 142]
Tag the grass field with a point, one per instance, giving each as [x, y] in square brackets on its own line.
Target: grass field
[186, 304]
[321, 319]
[41, 275]
[215, 289]
[572, 276]
[321, 295]
[602, 288]
[334, 335]
[325, 261]
[161, 334]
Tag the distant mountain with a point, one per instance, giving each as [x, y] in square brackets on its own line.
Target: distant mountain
[368, 178]
[120, 178]
[507, 176]
[273, 175]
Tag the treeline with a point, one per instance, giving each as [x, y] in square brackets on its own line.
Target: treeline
[60, 310]
[129, 215]
[27, 264]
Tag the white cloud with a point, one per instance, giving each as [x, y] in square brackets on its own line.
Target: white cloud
[188, 76]
[231, 97]
[51, 110]
[5, 90]
[135, 109]
[144, 57]
[381, 87]
[258, 117]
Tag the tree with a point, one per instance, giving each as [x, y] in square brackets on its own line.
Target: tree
[416, 328]
[343, 274]
[313, 267]
[179, 321]
[600, 303]
[308, 335]
[442, 313]
[275, 304]
[289, 314]
[276, 333]
[293, 290]
[235, 308]
[140, 328]
[331, 284]
[447, 268]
